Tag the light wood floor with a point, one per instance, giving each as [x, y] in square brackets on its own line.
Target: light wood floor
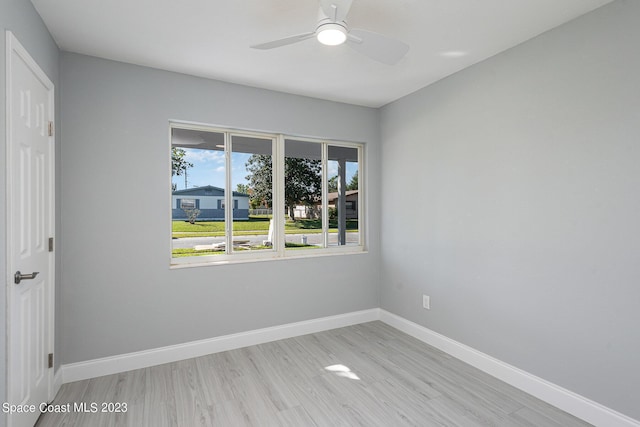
[363, 375]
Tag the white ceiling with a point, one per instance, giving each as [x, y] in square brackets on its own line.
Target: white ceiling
[211, 38]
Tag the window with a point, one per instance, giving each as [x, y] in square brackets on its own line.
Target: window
[343, 162]
[187, 204]
[252, 196]
[303, 194]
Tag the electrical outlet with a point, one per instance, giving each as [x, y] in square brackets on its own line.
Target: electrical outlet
[426, 302]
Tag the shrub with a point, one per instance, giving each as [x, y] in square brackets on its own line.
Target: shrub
[192, 215]
[333, 213]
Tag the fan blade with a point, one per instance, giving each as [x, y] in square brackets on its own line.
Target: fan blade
[285, 41]
[336, 10]
[377, 46]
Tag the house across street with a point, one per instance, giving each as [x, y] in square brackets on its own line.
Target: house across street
[210, 201]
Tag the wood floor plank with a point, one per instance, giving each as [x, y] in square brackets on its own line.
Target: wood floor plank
[99, 390]
[295, 417]
[216, 378]
[273, 374]
[461, 388]
[526, 417]
[450, 412]
[254, 403]
[324, 407]
[159, 399]
[363, 375]
[552, 417]
[192, 407]
[345, 411]
[408, 408]
[230, 413]
[372, 406]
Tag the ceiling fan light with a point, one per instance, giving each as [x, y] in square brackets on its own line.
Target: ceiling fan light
[331, 34]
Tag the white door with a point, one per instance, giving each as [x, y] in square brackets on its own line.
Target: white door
[30, 157]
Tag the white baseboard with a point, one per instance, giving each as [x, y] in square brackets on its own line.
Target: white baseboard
[568, 401]
[143, 359]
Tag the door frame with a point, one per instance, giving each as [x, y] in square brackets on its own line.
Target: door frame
[14, 46]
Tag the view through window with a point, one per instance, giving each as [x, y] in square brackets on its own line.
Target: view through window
[226, 186]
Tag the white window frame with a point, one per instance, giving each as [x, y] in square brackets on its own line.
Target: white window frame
[279, 216]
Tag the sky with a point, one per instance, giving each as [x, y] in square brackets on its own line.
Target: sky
[208, 169]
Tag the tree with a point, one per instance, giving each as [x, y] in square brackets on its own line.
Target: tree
[353, 184]
[302, 180]
[243, 188]
[259, 167]
[179, 164]
[332, 184]
[256, 204]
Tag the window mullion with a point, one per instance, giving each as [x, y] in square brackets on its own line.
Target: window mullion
[361, 203]
[228, 195]
[278, 195]
[325, 196]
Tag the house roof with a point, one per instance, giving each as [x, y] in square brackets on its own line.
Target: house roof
[333, 196]
[201, 191]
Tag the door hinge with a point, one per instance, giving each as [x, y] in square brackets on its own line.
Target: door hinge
[51, 360]
[50, 128]
[50, 244]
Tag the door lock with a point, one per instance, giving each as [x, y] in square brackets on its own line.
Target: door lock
[19, 276]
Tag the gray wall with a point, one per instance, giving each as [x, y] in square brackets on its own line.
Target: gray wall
[20, 17]
[522, 174]
[119, 294]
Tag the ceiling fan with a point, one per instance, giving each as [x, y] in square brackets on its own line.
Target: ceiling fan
[332, 30]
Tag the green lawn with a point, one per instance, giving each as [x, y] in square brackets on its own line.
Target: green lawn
[259, 225]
